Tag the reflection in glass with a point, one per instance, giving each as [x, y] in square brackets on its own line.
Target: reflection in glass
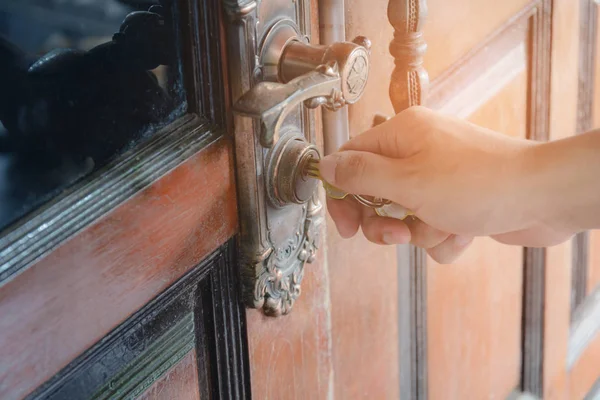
[81, 81]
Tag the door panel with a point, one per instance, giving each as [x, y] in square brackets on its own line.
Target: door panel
[290, 357]
[495, 71]
[527, 69]
[505, 91]
[363, 319]
[124, 283]
[447, 37]
[475, 316]
[578, 377]
[196, 319]
[119, 274]
[475, 304]
[506, 111]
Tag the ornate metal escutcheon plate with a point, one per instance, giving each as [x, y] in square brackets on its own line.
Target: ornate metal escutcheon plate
[276, 77]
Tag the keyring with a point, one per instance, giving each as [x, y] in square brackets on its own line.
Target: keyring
[375, 203]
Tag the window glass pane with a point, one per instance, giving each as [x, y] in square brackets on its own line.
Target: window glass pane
[81, 81]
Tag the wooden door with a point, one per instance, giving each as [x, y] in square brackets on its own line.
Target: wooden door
[139, 211]
[501, 320]
[118, 274]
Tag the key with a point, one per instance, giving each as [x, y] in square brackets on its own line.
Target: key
[312, 170]
[382, 207]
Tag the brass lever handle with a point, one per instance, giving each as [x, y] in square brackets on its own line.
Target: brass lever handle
[330, 76]
[271, 102]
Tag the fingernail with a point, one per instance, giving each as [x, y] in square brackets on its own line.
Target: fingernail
[327, 168]
[394, 238]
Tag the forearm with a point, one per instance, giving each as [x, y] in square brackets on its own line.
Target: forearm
[564, 182]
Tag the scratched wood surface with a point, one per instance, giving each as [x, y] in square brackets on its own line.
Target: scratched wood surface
[290, 357]
[73, 297]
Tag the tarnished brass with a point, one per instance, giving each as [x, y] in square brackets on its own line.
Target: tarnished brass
[276, 79]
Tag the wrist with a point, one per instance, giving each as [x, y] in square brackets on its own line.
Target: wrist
[559, 180]
[539, 186]
[525, 174]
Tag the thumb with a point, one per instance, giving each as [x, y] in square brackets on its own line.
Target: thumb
[360, 172]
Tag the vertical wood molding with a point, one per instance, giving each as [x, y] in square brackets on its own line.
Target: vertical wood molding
[585, 102]
[412, 298]
[534, 292]
[579, 268]
[534, 282]
[408, 87]
[587, 57]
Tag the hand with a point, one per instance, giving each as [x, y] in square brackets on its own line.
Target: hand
[459, 179]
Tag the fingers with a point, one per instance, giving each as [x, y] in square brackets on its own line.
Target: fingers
[443, 247]
[423, 235]
[534, 237]
[450, 249]
[399, 137]
[346, 215]
[367, 174]
[383, 230]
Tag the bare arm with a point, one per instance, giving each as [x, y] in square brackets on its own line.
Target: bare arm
[564, 180]
[463, 181]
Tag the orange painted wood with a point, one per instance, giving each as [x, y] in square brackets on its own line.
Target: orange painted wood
[563, 122]
[290, 356]
[454, 28]
[586, 371]
[363, 276]
[73, 297]
[364, 317]
[485, 70]
[507, 111]
[475, 305]
[179, 383]
[474, 320]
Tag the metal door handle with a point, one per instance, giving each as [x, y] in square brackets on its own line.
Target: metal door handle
[331, 76]
[280, 211]
[271, 102]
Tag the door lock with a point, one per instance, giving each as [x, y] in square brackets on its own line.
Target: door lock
[287, 171]
[280, 211]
